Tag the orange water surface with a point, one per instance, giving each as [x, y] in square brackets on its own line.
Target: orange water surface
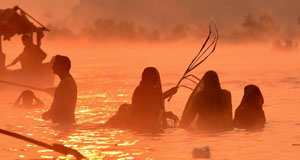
[107, 74]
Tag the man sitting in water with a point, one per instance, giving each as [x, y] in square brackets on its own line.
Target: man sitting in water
[27, 98]
[31, 57]
[65, 96]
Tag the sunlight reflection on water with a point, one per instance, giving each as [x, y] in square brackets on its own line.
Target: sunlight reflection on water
[101, 93]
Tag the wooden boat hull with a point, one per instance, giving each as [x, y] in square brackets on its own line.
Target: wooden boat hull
[42, 77]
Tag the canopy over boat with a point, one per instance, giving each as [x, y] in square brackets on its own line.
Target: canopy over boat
[15, 21]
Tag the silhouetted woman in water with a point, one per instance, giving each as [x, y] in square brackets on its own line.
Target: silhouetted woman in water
[148, 110]
[210, 104]
[249, 114]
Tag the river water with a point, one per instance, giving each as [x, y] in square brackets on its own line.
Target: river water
[106, 75]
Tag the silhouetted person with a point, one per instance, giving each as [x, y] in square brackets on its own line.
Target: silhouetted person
[148, 110]
[249, 114]
[65, 96]
[2, 61]
[32, 56]
[211, 105]
[121, 118]
[28, 99]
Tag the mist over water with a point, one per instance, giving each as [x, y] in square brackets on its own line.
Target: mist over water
[127, 20]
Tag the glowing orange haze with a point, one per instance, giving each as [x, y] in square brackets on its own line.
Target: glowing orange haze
[108, 71]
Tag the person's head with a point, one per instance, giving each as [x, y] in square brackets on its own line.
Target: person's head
[211, 94]
[27, 40]
[61, 65]
[211, 80]
[150, 77]
[252, 95]
[27, 97]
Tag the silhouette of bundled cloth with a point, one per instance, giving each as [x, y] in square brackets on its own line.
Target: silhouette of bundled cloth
[249, 114]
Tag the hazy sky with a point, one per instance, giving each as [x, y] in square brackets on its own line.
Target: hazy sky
[162, 15]
[160, 11]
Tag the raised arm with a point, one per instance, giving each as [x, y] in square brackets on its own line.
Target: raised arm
[42, 55]
[38, 102]
[17, 102]
[16, 60]
[170, 92]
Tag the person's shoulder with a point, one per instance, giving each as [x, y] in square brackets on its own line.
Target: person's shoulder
[226, 92]
[137, 89]
[35, 46]
[71, 80]
[29, 48]
[32, 46]
[240, 108]
[68, 81]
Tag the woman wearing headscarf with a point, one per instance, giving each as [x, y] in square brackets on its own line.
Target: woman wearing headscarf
[210, 105]
[148, 110]
[249, 114]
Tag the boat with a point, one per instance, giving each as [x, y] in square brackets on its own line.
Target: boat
[15, 21]
[41, 78]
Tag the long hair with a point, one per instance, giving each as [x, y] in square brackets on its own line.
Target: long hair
[212, 91]
[252, 97]
[151, 78]
[147, 101]
[214, 110]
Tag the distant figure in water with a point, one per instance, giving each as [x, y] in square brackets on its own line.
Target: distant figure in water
[210, 104]
[28, 99]
[31, 57]
[148, 109]
[249, 114]
[63, 106]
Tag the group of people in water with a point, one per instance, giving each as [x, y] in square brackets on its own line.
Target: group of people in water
[213, 107]
[208, 108]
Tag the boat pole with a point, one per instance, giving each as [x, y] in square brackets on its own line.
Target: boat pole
[49, 91]
[1, 43]
[21, 85]
[56, 147]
